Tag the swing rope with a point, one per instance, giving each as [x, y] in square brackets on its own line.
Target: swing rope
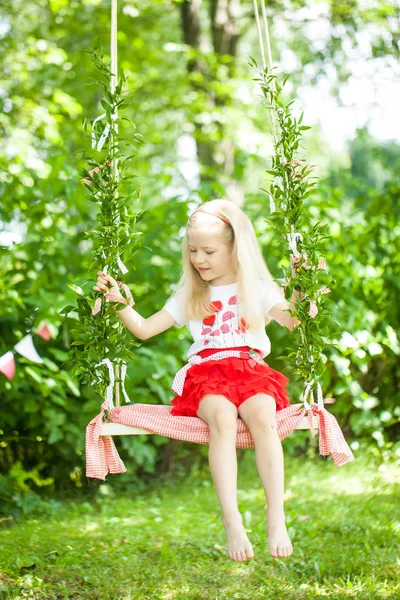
[114, 144]
[269, 54]
[293, 236]
[101, 454]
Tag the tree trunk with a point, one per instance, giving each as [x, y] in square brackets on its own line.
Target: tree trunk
[213, 157]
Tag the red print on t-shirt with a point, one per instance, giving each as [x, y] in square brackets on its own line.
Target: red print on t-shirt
[209, 320]
[206, 330]
[216, 305]
[243, 325]
[228, 315]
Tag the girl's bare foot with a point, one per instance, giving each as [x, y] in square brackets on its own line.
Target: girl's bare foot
[238, 544]
[279, 543]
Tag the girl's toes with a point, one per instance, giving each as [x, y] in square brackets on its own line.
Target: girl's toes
[249, 552]
[274, 552]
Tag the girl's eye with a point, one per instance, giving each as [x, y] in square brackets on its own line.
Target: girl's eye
[206, 251]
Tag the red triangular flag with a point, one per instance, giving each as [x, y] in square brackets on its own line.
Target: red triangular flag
[7, 365]
[43, 331]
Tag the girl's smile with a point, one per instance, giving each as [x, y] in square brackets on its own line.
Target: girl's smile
[205, 245]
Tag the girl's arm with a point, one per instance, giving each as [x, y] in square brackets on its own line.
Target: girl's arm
[280, 314]
[144, 328]
[139, 326]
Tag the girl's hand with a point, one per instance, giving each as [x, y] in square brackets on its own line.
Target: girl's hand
[293, 262]
[106, 283]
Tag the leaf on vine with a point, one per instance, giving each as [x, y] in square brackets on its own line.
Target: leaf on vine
[76, 289]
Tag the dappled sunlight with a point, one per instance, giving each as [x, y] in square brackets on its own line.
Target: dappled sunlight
[105, 155]
[175, 544]
[92, 526]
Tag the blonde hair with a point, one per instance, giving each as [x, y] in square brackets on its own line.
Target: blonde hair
[248, 263]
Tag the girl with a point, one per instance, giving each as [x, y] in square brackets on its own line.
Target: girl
[225, 297]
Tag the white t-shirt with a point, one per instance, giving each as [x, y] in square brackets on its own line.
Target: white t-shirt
[225, 329]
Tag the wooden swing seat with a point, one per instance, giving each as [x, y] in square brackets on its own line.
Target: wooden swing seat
[111, 429]
[120, 429]
[143, 419]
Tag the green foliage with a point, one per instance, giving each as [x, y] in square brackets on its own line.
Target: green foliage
[135, 544]
[103, 336]
[46, 96]
[288, 191]
[17, 496]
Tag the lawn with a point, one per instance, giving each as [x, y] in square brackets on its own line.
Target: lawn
[168, 543]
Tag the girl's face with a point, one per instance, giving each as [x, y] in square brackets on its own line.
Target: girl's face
[211, 258]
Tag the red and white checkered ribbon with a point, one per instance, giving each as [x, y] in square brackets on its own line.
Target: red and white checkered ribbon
[179, 379]
[307, 406]
[102, 456]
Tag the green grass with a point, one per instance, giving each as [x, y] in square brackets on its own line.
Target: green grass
[169, 543]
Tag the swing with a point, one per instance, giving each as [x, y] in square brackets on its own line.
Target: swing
[143, 419]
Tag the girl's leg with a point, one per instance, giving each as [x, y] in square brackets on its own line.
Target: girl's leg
[221, 416]
[258, 412]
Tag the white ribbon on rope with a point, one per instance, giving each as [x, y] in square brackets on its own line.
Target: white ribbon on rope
[292, 239]
[123, 374]
[308, 392]
[266, 56]
[272, 207]
[110, 387]
[103, 137]
[320, 400]
[105, 133]
[121, 265]
[320, 397]
[94, 139]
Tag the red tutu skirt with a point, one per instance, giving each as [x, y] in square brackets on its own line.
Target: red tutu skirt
[235, 378]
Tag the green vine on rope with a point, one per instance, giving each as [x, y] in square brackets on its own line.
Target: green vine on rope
[306, 271]
[102, 336]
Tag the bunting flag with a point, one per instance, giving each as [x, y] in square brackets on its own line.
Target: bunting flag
[43, 331]
[7, 365]
[26, 348]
